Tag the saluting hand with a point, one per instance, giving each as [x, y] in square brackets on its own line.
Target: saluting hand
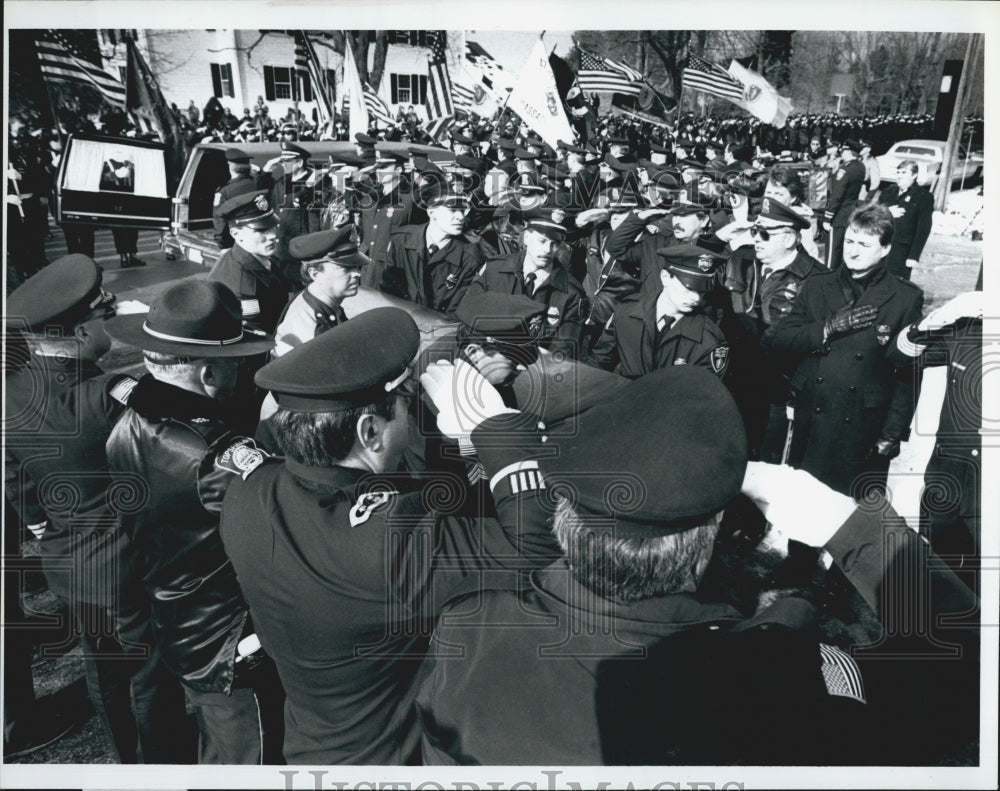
[462, 396]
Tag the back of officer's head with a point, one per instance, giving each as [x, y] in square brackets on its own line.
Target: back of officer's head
[640, 489]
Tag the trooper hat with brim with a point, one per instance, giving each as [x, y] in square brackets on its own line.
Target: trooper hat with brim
[195, 318]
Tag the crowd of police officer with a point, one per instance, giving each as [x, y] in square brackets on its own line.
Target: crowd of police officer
[582, 356]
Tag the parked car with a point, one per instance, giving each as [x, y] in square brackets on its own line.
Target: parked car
[929, 156]
[191, 236]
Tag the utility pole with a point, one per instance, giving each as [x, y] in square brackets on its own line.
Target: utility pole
[952, 144]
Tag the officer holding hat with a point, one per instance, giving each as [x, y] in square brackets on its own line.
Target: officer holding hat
[338, 527]
[177, 438]
[534, 271]
[434, 263]
[249, 269]
[242, 180]
[331, 270]
[60, 411]
[614, 654]
[648, 332]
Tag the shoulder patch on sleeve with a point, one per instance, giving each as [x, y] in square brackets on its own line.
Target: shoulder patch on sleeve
[241, 457]
[841, 673]
[122, 389]
[720, 358]
[367, 504]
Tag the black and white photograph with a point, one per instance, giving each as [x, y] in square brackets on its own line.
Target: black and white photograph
[538, 396]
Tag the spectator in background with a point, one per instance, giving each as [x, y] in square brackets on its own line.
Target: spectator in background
[912, 208]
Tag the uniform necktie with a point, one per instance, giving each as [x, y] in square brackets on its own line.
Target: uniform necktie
[529, 283]
[663, 325]
[431, 249]
[765, 273]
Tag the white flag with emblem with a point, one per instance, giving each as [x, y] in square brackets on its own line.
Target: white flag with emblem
[536, 99]
[760, 98]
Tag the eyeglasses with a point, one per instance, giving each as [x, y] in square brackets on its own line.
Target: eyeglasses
[766, 233]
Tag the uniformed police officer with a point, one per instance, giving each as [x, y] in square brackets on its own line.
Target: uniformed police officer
[845, 187]
[534, 271]
[598, 648]
[648, 332]
[249, 268]
[242, 181]
[176, 438]
[912, 208]
[340, 532]
[433, 264]
[60, 411]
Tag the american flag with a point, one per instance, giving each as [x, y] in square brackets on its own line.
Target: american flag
[377, 108]
[307, 63]
[439, 101]
[604, 74]
[464, 96]
[438, 128]
[700, 75]
[62, 62]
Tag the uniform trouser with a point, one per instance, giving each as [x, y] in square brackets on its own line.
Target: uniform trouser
[140, 704]
[79, 238]
[835, 247]
[245, 728]
[126, 240]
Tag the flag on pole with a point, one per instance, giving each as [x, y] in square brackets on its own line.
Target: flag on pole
[145, 101]
[701, 75]
[603, 74]
[438, 128]
[471, 94]
[487, 72]
[354, 93]
[536, 99]
[760, 98]
[60, 61]
[308, 64]
[377, 108]
[439, 100]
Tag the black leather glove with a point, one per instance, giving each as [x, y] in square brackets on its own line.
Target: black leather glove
[849, 319]
[616, 287]
[884, 447]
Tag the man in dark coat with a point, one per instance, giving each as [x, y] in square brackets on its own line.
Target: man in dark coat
[650, 332]
[176, 439]
[845, 187]
[385, 206]
[852, 407]
[913, 209]
[60, 411]
[433, 264]
[344, 566]
[610, 656]
[534, 272]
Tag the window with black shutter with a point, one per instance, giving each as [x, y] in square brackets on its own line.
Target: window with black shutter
[269, 83]
[222, 79]
[307, 94]
[216, 79]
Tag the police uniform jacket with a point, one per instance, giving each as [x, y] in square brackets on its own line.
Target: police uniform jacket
[262, 292]
[177, 444]
[379, 221]
[912, 229]
[846, 391]
[437, 281]
[628, 346]
[567, 302]
[345, 573]
[294, 221]
[951, 508]
[845, 187]
[59, 414]
[574, 678]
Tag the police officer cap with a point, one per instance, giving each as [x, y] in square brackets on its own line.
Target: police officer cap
[618, 140]
[290, 150]
[471, 163]
[548, 220]
[442, 192]
[60, 295]
[352, 365]
[237, 155]
[337, 247]
[365, 140]
[852, 143]
[694, 266]
[690, 164]
[664, 456]
[506, 144]
[621, 164]
[462, 139]
[250, 208]
[685, 142]
[194, 318]
[778, 212]
[511, 321]
[385, 158]
[658, 148]
[523, 153]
